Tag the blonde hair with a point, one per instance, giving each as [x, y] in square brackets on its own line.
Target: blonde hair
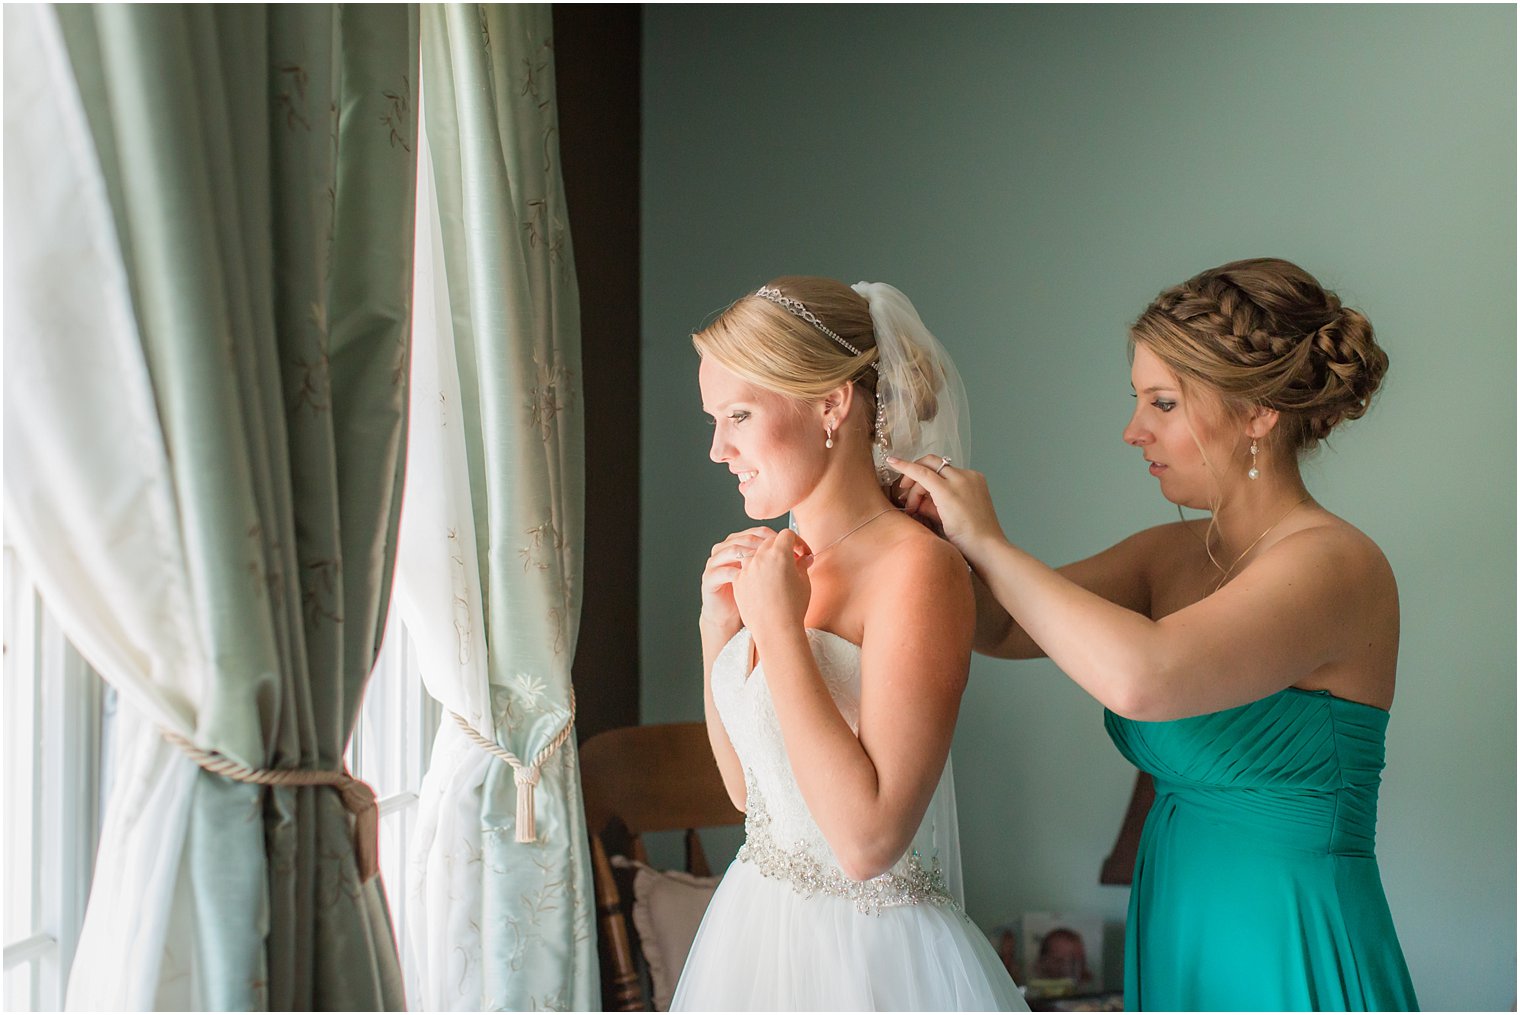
[1264, 332]
[769, 346]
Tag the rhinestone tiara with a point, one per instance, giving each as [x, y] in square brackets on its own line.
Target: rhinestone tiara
[799, 309]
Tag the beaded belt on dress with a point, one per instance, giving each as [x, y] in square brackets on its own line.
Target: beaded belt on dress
[912, 886]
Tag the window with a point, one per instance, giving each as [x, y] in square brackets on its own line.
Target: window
[57, 713]
[390, 750]
[57, 729]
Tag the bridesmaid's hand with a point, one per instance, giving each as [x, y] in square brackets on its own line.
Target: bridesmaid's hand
[953, 501]
[917, 504]
[772, 589]
[720, 614]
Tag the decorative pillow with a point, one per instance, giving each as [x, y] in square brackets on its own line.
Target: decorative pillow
[667, 910]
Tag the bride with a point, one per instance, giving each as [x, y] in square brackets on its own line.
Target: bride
[835, 656]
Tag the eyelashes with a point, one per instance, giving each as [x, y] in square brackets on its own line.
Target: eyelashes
[1164, 404]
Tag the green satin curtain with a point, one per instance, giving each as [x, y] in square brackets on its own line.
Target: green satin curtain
[261, 165]
[521, 913]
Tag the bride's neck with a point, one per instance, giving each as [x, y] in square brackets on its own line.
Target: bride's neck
[843, 499]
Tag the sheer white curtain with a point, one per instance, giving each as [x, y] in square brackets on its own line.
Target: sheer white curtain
[438, 587]
[98, 524]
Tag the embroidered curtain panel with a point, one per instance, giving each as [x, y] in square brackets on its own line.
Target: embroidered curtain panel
[208, 277]
[489, 567]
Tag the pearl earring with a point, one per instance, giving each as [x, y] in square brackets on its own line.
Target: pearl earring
[1252, 473]
[828, 435]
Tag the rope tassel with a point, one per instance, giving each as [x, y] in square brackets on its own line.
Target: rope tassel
[525, 776]
[359, 800]
[527, 825]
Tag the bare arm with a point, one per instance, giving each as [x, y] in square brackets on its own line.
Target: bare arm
[1289, 613]
[1281, 619]
[723, 750]
[1117, 574]
[868, 792]
[719, 623]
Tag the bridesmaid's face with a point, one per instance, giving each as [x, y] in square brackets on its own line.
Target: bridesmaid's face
[1189, 448]
[771, 443]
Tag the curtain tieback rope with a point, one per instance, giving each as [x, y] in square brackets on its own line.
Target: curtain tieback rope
[526, 776]
[358, 798]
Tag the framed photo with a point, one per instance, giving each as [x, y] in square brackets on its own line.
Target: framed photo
[1061, 954]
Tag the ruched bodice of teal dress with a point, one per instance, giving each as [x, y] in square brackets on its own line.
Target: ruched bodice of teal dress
[1256, 887]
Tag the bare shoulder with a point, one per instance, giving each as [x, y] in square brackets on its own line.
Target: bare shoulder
[1334, 546]
[1321, 536]
[916, 603]
[911, 577]
[1169, 535]
[1166, 544]
[915, 561]
[1340, 573]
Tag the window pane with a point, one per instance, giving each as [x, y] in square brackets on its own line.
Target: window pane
[390, 750]
[52, 728]
[22, 745]
[18, 987]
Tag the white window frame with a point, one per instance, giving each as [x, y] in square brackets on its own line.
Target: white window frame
[391, 749]
[58, 719]
[56, 712]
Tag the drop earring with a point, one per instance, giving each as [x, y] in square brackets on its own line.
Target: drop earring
[828, 435]
[1252, 473]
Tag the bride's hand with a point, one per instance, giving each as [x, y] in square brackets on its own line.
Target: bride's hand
[773, 589]
[720, 614]
[955, 499]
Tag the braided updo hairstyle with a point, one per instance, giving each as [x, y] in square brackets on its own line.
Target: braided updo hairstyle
[1264, 332]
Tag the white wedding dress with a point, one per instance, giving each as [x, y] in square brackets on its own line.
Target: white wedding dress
[787, 930]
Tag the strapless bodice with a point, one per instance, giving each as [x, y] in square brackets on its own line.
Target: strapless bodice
[1300, 768]
[781, 837]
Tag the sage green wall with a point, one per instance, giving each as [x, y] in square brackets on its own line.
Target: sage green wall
[1031, 177]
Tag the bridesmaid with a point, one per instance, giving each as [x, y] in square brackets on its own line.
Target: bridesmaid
[1246, 661]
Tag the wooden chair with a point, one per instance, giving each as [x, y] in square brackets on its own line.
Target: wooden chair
[1119, 866]
[644, 779]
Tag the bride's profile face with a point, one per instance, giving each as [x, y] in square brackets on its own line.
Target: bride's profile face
[1179, 440]
[773, 445]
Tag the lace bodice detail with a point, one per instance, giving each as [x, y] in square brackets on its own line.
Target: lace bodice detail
[781, 837]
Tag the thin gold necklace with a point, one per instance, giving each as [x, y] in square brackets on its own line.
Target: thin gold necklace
[836, 542]
[1231, 569]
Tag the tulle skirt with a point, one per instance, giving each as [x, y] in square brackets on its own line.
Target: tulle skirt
[764, 946]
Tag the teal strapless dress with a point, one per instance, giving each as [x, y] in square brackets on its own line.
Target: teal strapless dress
[1256, 887]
